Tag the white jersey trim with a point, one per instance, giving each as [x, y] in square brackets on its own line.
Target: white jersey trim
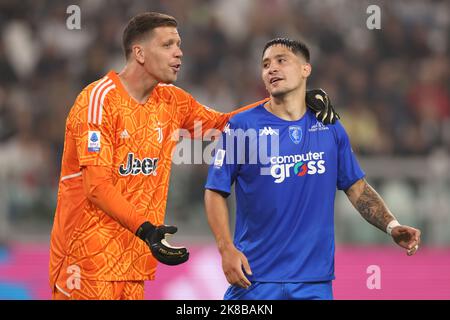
[70, 176]
[62, 291]
[96, 99]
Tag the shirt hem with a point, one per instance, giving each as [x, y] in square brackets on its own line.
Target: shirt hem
[212, 187]
[353, 182]
[319, 279]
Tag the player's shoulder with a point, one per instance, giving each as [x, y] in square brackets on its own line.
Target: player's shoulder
[169, 92]
[101, 86]
[91, 100]
[247, 118]
[317, 125]
[337, 126]
[338, 131]
[314, 126]
[96, 91]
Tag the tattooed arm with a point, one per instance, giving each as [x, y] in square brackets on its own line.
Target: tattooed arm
[372, 208]
[369, 204]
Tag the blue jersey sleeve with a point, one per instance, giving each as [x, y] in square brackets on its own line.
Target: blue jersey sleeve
[224, 168]
[349, 170]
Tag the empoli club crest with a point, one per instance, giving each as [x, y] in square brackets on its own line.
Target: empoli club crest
[295, 133]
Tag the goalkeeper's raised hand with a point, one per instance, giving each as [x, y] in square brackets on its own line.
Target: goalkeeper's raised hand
[319, 102]
[155, 237]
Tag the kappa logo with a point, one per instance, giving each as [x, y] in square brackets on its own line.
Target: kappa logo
[268, 131]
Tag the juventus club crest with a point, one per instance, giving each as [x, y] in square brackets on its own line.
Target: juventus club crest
[160, 132]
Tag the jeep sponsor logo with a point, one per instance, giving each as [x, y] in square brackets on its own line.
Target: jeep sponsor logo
[135, 166]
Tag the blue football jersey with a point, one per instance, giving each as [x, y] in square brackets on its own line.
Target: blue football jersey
[285, 174]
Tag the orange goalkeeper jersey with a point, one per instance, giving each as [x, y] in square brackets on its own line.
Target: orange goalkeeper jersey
[108, 128]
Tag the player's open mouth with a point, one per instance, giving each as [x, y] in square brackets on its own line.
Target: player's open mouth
[176, 67]
[273, 80]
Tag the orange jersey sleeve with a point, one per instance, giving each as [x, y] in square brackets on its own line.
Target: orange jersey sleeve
[92, 129]
[254, 104]
[98, 185]
[201, 119]
[92, 126]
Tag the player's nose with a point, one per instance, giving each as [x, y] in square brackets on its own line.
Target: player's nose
[178, 53]
[273, 69]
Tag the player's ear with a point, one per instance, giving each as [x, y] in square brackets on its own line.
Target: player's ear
[306, 70]
[138, 53]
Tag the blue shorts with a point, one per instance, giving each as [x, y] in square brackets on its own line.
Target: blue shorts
[282, 291]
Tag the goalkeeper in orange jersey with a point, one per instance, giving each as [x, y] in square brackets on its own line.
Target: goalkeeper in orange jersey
[108, 230]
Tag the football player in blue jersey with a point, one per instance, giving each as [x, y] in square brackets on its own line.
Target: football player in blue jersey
[286, 167]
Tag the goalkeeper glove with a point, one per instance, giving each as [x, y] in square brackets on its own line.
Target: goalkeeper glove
[317, 100]
[155, 237]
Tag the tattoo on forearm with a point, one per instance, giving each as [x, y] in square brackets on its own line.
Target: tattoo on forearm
[373, 209]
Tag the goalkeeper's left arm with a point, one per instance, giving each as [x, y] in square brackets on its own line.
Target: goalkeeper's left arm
[99, 190]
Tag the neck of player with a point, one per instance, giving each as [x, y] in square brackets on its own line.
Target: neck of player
[290, 106]
[137, 82]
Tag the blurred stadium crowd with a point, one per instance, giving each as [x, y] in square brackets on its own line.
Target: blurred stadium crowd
[391, 87]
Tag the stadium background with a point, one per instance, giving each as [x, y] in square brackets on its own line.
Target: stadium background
[391, 87]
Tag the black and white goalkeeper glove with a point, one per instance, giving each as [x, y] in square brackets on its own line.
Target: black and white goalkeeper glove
[155, 237]
[319, 102]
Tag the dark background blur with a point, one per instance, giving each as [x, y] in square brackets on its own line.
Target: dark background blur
[391, 87]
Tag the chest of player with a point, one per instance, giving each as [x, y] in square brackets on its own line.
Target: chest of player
[144, 138]
[282, 151]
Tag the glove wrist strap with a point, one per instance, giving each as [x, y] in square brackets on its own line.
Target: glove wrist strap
[145, 229]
